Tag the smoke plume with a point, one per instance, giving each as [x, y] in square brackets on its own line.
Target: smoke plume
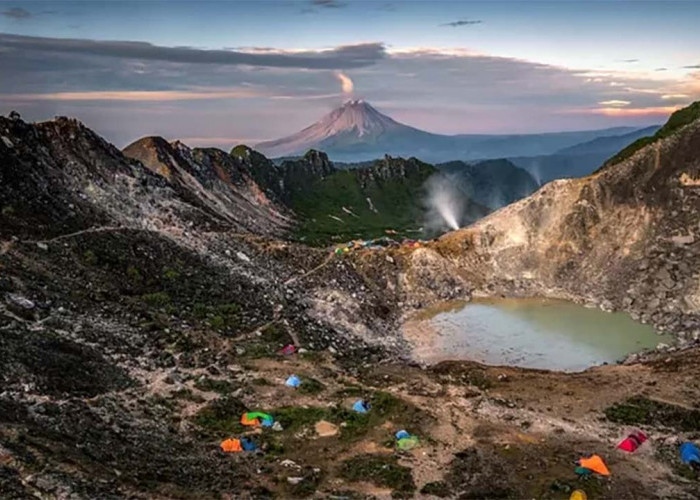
[345, 82]
[445, 203]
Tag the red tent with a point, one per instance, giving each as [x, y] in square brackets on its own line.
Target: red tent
[633, 441]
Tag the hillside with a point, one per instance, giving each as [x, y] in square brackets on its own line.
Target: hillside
[491, 183]
[385, 198]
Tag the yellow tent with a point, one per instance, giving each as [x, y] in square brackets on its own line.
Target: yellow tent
[578, 495]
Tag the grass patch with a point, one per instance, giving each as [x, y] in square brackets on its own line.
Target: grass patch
[294, 418]
[221, 417]
[396, 200]
[436, 488]
[310, 386]
[156, 299]
[381, 470]
[89, 258]
[207, 384]
[170, 274]
[639, 410]
[220, 316]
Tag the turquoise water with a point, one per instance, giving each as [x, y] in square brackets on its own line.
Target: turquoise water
[538, 333]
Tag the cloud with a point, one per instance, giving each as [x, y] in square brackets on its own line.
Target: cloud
[136, 95]
[615, 103]
[650, 112]
[661, 69]
[328, 4]
[462, 22]
[124, 96]
[17, 13]
[692, 66]
[675, 97]
[629, 60]
[346, 56]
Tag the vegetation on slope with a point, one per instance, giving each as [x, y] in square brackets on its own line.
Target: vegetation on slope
[337, 207]
[679, 119]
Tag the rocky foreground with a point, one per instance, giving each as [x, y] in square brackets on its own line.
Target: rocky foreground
[144, 309]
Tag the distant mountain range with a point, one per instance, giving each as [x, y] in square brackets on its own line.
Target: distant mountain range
[581, 159]
[357, 132]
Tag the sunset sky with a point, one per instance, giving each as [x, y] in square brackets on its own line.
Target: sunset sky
[222, 73]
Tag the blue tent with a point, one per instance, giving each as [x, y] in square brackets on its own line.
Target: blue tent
[402, 434]
[360, 406]
[247, 444]
[690, 454]
[293, 381]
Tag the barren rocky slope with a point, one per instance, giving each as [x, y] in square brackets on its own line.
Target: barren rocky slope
[626, 238]
[139, 319]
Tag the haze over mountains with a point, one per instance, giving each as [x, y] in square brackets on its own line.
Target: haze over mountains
[357, 131]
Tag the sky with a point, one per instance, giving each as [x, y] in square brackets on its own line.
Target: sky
[223, 73]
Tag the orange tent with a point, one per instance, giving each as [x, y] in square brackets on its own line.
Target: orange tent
[596, 464]
[231, 446]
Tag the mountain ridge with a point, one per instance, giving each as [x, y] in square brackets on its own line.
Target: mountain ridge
[356, 131]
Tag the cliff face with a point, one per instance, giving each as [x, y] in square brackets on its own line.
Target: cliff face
[627, 237]
[224, 186]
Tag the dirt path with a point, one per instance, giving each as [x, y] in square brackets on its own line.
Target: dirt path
[323, 264]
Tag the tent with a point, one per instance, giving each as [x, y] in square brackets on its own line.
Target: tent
[293, 381]
[633, 441]
[402, 434]
[257, 418]
[596, 464]
[360, 406]
[231, 446]
[582, 471]
[289, 349]
[578, 495]
[407, 443]
[690, 454]
[248, 444]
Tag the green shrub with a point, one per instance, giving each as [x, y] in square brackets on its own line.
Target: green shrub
[134, 274]
[436, 488]
[222, 416]
[310, 386]
[157, 299]
[89, 257]
[381, 470]
[171, 274]
[212, 385]
[294, 418]
[639, 410]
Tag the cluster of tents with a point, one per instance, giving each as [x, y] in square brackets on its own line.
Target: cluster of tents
[406, 441]
[249, 419]
[594, 464]
[375, 244]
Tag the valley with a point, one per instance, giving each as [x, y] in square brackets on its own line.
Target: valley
[147, 296]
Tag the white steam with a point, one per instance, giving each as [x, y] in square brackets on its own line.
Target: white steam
[445, 203]
[345, 82]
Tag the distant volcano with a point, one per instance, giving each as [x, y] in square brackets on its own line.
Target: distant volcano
[357, 131]
[352, 129]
